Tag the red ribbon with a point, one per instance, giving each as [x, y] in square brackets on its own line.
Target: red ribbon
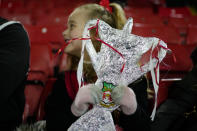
[96, 26]
[105, 4]
[115, 51]
[155, 70]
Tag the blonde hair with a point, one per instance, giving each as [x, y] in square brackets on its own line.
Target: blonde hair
[116, 19]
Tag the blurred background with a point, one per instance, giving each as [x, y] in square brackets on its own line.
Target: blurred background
[173, 21]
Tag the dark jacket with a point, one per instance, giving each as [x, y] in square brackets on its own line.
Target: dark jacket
[173, 114]
[59, 116]
[14, 64]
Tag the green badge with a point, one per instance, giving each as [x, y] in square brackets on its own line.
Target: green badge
[106, 99]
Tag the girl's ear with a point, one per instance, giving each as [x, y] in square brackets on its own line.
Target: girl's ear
[128, 26]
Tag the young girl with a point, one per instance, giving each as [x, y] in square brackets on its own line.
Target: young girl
[58, 106]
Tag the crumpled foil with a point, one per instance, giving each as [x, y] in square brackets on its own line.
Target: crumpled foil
[108, 64]
[97, 119]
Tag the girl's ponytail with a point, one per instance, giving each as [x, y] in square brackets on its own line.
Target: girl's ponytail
[119, 15]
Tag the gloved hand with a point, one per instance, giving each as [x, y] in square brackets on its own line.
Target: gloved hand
[89, 94]
[125, 97]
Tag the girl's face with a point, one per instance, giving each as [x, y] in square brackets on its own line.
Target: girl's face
[76, 23]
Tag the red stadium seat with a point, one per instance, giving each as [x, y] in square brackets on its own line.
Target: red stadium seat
[182, 63]
[181, 24]
[190, 48]
[41, 59]
[139, 3]
[177, 69]
[193, 21]
[165, 33]
[32, 98]
[191, 37]
[11, 5]
[41, 67]
[172, 70]
[46, 34]
[150, 20]
[52, 19]
[163, 91]
[132, 11]
[23, 18]
[174, 12]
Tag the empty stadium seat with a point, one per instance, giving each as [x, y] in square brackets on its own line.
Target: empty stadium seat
[191, 37]
[174, 12]
[41, 67]
[181, 24]
[132, 11]
[46, 34]
[165, 33]
[41, 59]
[172, 71]
[182, 63]
[139, 3]
[11, 5]
[193, 21]
[23, 18]
[175, 70]
[150, 20]
[53, 20]
[32, 99]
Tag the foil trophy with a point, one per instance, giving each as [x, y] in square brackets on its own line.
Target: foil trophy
[122, 59]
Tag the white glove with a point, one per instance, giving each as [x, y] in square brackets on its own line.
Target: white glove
[89, 94]
[125, 97]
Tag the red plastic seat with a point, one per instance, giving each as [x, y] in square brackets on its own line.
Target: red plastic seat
[150, 20]
[23, 18]
[41, 59]
[174, 71]
[193, 21]
[139, 3]
[46, 34]
[32, 98]
[190, 48]
[181, 24]
[41, 67]
[191, 37]
[177, 71]
[12, 5]
[163, 91]
[132, 11]
[165, 33]
[174, 12]
[52, 19]
[183, 62]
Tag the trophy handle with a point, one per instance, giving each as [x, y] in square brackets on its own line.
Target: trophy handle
[128, 26]
[88, 43]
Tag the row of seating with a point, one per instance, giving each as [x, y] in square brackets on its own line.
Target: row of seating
[33, 4]
[169, 34]
[175, 30]
[53, 34]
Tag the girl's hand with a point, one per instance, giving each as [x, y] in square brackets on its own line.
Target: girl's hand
[125, 97]
[89, 94]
